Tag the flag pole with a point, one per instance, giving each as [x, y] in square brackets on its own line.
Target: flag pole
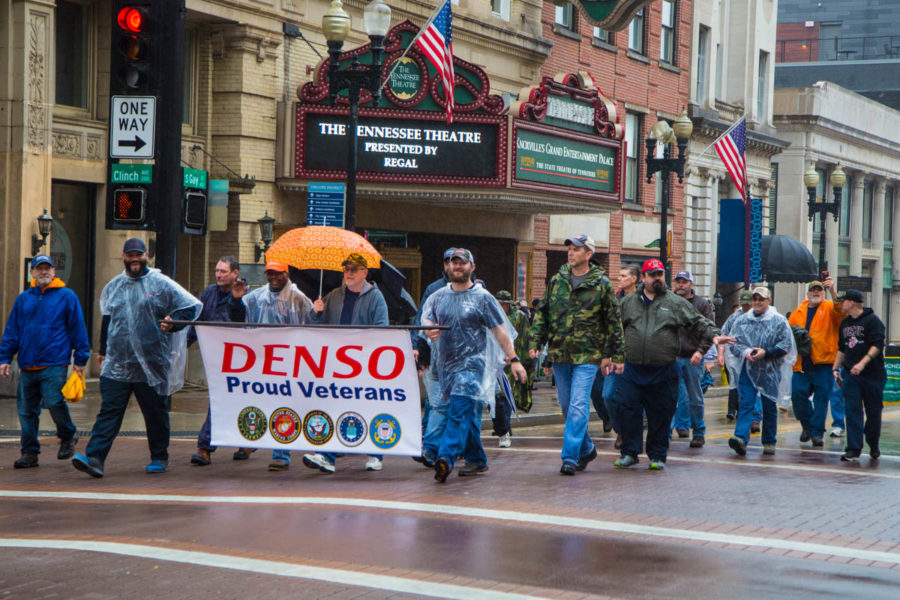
[727, 131]
[412, 43]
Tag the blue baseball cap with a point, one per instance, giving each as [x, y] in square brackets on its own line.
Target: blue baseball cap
[41, 259]
[448, 253]
[134, 245]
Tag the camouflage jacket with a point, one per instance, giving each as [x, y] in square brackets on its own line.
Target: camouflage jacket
[520, 323]
[581, 325]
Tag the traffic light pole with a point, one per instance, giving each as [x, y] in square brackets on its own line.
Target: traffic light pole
[167, 204]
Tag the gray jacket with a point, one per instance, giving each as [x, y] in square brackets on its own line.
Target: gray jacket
[370, 307]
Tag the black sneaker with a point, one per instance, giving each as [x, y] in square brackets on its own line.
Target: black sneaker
[441, 470]
[804, 436]
[26, 461]
[67, 447]
[850, 457]
[818, 442]
[584, 460]
[755, 428]
[607, 426]
[470, 470]
[683, 433]
[730, 416]
[738, 445]
[698, 441]
[568, 468]
[91, 466]
[874, 453]
[243, 453]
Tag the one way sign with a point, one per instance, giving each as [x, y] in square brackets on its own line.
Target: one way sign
[132, 124]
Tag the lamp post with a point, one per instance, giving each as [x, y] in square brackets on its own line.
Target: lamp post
[811, 180]
[355, 78]
[662, 132]
[266, 234]
[45, 224]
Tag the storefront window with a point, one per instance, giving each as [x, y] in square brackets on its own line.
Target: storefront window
[72, 64]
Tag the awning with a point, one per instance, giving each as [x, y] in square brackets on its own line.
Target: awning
[786, 260]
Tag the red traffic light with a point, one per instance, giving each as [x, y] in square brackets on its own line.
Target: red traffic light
[131, 19]
[129, 205]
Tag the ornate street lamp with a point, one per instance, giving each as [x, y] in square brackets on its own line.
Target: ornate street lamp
[266, 234]
[665, 134]
[45, 224]
[355, 78]
[811, 180]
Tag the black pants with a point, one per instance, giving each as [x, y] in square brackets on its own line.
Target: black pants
[501, 416]
[112, 410]
[659, 401]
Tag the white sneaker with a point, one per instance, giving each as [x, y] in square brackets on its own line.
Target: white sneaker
[837, 432]
[373, 464]
[317, 461]
[504, 442]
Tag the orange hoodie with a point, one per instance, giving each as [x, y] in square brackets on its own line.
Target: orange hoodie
[56, 282]
[823, 331]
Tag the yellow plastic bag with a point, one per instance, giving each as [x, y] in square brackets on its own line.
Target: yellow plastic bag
[74, 389]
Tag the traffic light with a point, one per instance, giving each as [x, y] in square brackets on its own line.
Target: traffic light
[194, 212]
[132, 51]
[127, 208]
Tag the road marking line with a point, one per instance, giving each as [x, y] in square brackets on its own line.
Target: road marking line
[282, 569]
[527, 518]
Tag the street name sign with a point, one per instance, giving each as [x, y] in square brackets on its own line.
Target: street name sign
[139, 174]
[132, 125]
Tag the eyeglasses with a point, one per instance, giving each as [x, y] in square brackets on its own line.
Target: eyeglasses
[353, 269]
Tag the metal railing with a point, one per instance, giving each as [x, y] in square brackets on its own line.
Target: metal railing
[880, 47]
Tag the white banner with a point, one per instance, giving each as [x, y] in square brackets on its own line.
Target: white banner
[300, 388]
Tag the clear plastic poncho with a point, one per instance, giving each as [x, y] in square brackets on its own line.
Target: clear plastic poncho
[732, 363]
[289, 306]
[467, 358]
[137, 350]
[770, 377]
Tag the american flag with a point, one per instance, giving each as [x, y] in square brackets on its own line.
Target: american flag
[730, 147]
[436, 42]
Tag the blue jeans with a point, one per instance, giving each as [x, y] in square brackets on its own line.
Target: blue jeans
[573, 388]
[817, 382]
[204, 438]
[863, 392]
[689, 413]
[749, 397]
[610, 391]
[437, 422]
[154, 407]
[837, 406]
[42, 388]
[461, 429]
[658, 400]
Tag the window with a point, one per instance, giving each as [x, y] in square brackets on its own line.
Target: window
[602, 35]
[636, 32]
[844, 219]
[773, 199]
[762, 110]
[565, 17]
[719, 76]
[889, 214]
[188, 94]
[702, 64]
[72, 64]
[632, 166]
[667, 34]
[868, 191]
[500, 9]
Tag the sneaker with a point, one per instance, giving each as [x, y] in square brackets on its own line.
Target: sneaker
[626, 461]
[738, 445]
[804, 436]
[318, 461]
[607, 426]
[818, 442]
[837, 432]
[504, 441]
[91, 466]
[657, 465]
[618, 444]
[279, 465]
[568, 468]
[67, 447]
[730, 416]
[201, 458]
[470, 470]
[683, 433]
[157, 466]
[584, 460]
[874, 453]
[373, 464]
[425, 460]
[441, 470]
[850, 457]
[26, 461]
[243, 453]
[755, 428]
[697, 441]
[768, 449]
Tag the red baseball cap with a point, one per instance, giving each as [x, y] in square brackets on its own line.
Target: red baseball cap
[654, 264]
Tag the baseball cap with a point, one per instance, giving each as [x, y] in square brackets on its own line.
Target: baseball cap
[746, 297]
[654, 264]
[854, 295]
[134, 245]
[276, 266]
[355, 258]
[582, 239]
[761, 291]
[462, 254]
[504, 296]
[448, 253]
[815, 284]
[41, 259]
[685, 275]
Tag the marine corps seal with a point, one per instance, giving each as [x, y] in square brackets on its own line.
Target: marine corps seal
[284, 425]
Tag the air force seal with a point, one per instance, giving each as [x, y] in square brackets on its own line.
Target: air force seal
[384, 431]
[351, 429]
[251, 423]
[317, 427]
[284, 425]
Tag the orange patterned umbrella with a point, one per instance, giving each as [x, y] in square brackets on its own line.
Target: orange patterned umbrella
[319, 247]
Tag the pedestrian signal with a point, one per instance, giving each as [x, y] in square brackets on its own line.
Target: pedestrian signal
[129, 205]
[194, 212]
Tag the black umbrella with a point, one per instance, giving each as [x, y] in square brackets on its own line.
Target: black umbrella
[786, 260]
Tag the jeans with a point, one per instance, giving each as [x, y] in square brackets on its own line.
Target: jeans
[837, 406]
[689, 412]
[437, 423]
[658, 400]
[204, 438]
[819, 382]
[749, 398]
[461, 429]
[610, 399]
[573, 388]
[863, 392]
[154, 407]
[39, 388]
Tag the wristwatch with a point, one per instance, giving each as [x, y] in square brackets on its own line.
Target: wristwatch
[514, 359]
